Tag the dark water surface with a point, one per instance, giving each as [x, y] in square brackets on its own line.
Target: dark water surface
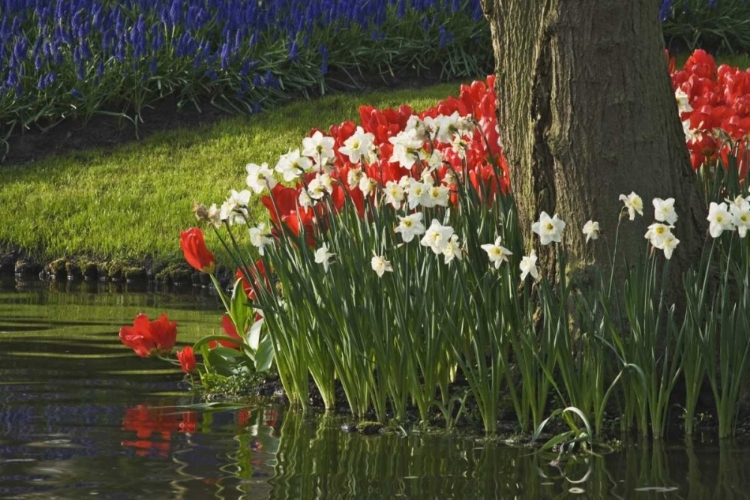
[82, 417]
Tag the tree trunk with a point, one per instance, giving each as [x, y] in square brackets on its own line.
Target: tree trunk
[587, 113]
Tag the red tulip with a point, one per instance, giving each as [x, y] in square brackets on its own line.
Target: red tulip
[228, 326]
[187, 359]
[196, 253]
[149, 338]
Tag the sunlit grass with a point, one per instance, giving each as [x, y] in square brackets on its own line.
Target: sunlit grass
[133, 201]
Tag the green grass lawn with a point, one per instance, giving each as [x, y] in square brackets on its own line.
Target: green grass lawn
[132, 201]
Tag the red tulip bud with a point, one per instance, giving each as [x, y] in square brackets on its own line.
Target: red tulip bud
[196, 253]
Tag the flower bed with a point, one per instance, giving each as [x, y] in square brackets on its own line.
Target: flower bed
[394, 266]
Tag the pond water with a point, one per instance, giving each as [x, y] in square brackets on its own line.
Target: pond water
[82, 417]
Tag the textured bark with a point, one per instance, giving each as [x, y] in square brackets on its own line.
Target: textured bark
[586, 113]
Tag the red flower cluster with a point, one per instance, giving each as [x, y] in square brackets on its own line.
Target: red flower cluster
[150, 338]
[718, 115]
[477, 100]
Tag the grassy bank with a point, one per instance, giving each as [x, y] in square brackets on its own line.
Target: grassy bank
[132, 202]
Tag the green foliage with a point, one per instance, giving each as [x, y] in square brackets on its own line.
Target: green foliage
[714, 25]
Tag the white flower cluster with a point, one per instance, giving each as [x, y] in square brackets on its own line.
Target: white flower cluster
[659, 234]
[728, 216]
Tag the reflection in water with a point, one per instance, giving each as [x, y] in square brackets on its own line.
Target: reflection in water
[81, 417]
[154, 427]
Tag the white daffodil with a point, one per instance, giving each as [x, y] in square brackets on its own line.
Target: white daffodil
[405, 182]
[434, 161]
[446, 127]
[421, 130]
[664, 210]
[528, 266]
[259, 237]
[304, 199]
[358, 146]
[452, 249]
[394, 194]
[234, 209]
[739, 201]
[668, 245]
[319, 186]
[497, 253]
[380, 265]
[741, 217]
[410, 226]
[353, 177]
[319, 148]
[591, 230]
[417, 194]
[437, 236]
[292, 164]
[259, 177]
[407, 148]
[214, 215]
[436, 196]
[657, 234]
[548, 228]
[323, 256]
[367, 185]
[683, 101]
[719, 218]
[633, 203]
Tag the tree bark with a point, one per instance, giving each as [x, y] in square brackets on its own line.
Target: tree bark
[586, 113]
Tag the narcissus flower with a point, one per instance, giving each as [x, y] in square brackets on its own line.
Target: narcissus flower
[657, 233]
[359, 146]
[323, 256]
[407, 148]
[380, 265]
[741, 217]
[196, 253]
[591, 230]
[548, 228]
[234, 209]
[394, 194]
[319, 148]
[187, 359]
[410, 226]
[150, 338]
[259, 237]
[259, 177]
[319, 186]
[668, 245]
[436, 196]
[497, 253]
[528, 266]
[292, 165]
[452, 249]
[664, 210]
[437, 236]
[719, 219]
[633, 203]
